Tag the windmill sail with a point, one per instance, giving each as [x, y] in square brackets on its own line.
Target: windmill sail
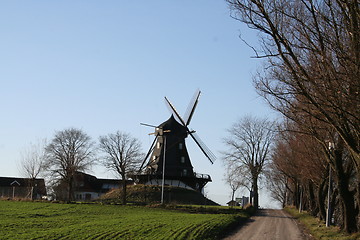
[174, 112]
[191, 108]
[148, 153]
[207, 152]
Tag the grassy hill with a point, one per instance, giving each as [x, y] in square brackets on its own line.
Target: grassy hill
[150, 194]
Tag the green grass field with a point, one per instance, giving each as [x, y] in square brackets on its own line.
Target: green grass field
[39, 220]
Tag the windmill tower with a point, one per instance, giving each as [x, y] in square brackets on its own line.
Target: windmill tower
[168, 157]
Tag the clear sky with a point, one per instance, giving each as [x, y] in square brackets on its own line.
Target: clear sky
[104, 66]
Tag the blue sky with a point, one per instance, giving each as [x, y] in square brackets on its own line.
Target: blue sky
[104, 66]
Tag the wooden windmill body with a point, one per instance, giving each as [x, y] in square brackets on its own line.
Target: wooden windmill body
[168, 159]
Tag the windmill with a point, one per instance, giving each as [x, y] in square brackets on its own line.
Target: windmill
[169, 147]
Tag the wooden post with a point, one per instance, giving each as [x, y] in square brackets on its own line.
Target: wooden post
[328, 212]
[163, 172]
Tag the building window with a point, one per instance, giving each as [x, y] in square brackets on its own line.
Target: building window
[180, 146]
[182, 159]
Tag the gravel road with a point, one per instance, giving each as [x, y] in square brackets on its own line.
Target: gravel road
[269, 224]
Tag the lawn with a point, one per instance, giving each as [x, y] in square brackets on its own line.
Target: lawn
[39, 220]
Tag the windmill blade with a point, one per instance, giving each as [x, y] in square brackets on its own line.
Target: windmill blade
[203, 147]
[173, 110]
[148, 125]
[191, 108]
[148, 153]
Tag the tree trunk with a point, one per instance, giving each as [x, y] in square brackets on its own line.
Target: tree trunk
[296, 197]
[346, 196]
[321, 199]
[358, 198]
[347, 199]
[333, 202]
[285, 196]
[123, 189]
[312, 200]
[284, 202]
[251, 197]
[69, 192]
[255, 193]
[70, 189]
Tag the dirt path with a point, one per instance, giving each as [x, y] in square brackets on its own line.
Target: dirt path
[269, 224]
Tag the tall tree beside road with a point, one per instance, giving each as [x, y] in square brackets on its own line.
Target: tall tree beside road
[249, 143]
[304, 160]
[122, 154]
[70, 151]
[298, 158]
[313, 67]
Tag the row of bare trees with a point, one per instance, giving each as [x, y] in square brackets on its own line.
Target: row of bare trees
[71, 151]
[311, 52]
[303, 169]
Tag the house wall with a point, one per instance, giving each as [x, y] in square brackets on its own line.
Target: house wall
[15, 192]
[86, 196]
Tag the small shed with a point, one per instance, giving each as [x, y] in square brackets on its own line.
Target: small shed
[233, 203]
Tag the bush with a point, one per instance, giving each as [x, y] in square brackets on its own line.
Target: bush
[250, 209]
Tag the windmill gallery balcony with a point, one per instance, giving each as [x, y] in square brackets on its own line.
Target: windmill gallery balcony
[194, 181]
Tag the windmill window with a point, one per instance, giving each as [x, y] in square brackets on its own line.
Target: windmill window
[182, 159]
[180, 146]
[184, 172]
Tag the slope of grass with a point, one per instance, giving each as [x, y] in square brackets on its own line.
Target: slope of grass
[38, 220]
[152, 194]
[318, 229]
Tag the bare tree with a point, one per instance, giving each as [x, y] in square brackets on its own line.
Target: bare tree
[70, 151]
[235, 180]
[122, 154]
[249, 144]
[302, 158]
[32, 163]
[33, 160]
